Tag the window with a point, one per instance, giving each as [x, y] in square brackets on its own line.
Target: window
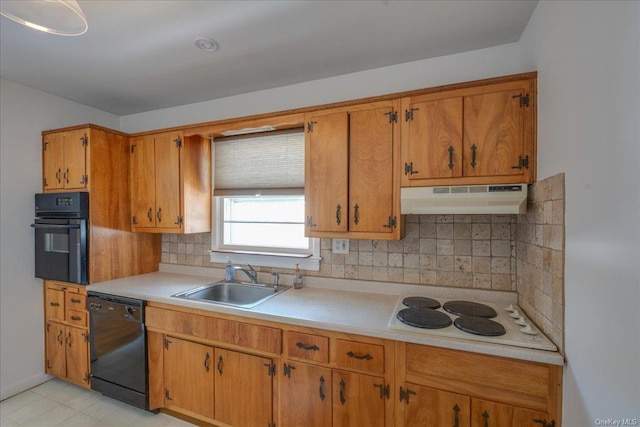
[259, 201]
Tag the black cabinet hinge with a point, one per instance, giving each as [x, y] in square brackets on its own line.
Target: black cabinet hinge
[133, 147]
[286, 370]
[85, 179]
[86, 337]
[44, 182]
[404, 394]
[408, 114]
[392, 223]
[393, 116]
[85, 140]
[310, 126]
[384, 390]
[166, 394]
[178, 142]
[86, 377]
[522, 163]
[524, 99]
[408, 169]
[166, 343]
[271, 369]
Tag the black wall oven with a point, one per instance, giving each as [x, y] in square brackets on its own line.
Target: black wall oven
[61, 236]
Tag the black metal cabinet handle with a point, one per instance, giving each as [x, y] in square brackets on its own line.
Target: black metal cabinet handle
[473, 155]
[356, 214]
[342, 399]
[485, 415]
[307, 347]
[54, 304]
[59, 337]
[58, 175]
[76, 318]
[456, 415]
[166, 394]
[338, 214]
[206, 362]
[321, 389]
[159, 215]
[66, 175]
[220, 365]
[450, 157]
[75, 301]
[360, 356]
[150, 214]
[68, 340]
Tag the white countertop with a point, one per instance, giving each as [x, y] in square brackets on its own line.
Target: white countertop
[364, 309]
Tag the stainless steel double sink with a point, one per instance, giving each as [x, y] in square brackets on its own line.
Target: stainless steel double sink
[236, 293]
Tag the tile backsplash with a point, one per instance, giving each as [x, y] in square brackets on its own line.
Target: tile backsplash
[540, 258]
[523, 253]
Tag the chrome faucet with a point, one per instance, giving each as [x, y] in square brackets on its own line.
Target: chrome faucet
[276, 279]
[253, 275]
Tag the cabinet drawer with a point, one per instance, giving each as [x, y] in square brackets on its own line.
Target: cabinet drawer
[261, 338]
[361, 356]
[75, 301]
[308, 347]
[77, 318]
[54, 304]
[62, 286]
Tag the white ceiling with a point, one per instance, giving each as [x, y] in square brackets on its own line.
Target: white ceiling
[140, 55]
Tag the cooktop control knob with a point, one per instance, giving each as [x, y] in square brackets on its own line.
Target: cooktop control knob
[515, 314]
[510, 308]
[527, 330]
[520, 322]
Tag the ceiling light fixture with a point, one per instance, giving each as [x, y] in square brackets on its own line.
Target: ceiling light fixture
[210, 45]
[61, 17]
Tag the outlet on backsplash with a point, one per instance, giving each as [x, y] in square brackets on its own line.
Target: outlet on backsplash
[340, 246]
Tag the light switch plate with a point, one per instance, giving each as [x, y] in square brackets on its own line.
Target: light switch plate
[340, 246]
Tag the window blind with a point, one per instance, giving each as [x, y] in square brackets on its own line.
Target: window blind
[265, 163]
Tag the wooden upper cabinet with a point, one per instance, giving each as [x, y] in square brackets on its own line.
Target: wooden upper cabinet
[352, 181]
[170, 183]
[481, 134]
[64, 160]
[327, 172]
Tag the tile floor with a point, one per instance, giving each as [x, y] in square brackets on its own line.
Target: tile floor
[57, 403]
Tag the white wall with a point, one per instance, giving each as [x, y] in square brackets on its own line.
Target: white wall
[24, 114]
[587, 54]
[478, 64]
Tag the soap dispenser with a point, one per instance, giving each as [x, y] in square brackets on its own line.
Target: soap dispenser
[297, 278]
[228, 271]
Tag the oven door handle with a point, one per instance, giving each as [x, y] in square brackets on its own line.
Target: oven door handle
[69, 226]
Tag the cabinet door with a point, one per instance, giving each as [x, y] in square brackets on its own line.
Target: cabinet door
[244, 389]
[54, 304]
[77, 353]
[427, 407]
[493, 133]
[143, 185]
[75, 147]
[492, 414]
[305, 396]
[370, 170]
[357, 400]
[434, 140]
[527, 417]
[326, 173]
[167, 180]
[56, 363]
[188, 377]
[52, 161]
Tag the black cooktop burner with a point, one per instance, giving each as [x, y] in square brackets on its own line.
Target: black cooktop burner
[468, 308]
[479, 326]
[421, 302]
[427, 318]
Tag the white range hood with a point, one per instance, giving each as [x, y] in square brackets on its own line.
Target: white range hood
[467, 199]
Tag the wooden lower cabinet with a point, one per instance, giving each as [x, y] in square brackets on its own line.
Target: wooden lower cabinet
[358, 400]
[306, 395]
[66, 332]
[423, 406]
[67, 353]
[188, 377]
[217, 385]
[492, 414]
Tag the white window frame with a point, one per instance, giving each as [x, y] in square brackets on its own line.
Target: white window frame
[220, 254]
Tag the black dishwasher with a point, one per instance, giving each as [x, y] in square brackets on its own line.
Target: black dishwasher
[118, 348]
